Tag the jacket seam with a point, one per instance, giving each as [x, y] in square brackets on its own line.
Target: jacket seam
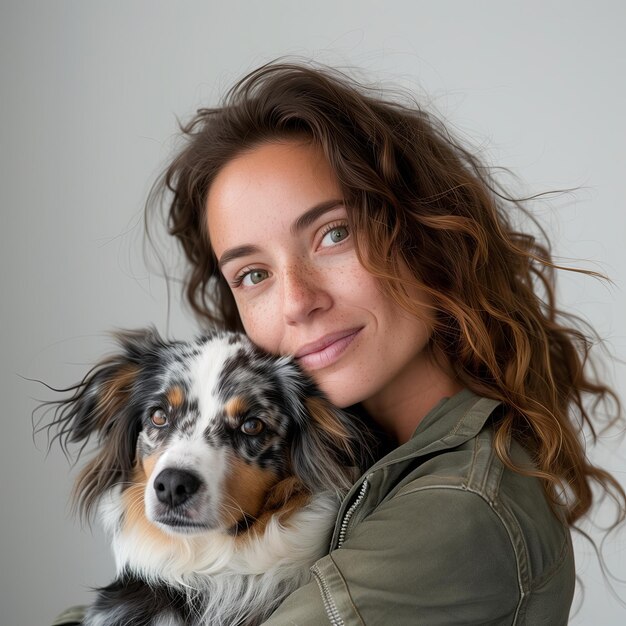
[522, 592]
[459, 422]
[485, 477]
[349, 596]
[330, 606]
[471, 478]
[470, 474]
[498, 470]
[538, 582]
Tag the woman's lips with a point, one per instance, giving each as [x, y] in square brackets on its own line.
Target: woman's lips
[326, 350]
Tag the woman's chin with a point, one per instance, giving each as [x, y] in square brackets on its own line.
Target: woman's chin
[341, 388]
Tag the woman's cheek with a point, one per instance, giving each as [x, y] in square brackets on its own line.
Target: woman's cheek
[260, 324]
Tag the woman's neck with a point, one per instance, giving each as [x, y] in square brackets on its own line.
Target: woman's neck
[405, 401]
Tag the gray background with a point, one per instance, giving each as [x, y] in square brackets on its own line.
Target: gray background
[90, 95]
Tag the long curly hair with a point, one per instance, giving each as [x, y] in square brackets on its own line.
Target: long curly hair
[417, 198]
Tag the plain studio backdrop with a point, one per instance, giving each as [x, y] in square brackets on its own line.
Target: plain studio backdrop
[91, 92]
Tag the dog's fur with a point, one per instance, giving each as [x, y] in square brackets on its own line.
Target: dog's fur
[218, 473]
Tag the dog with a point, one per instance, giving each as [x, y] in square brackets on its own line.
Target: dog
[218, 472]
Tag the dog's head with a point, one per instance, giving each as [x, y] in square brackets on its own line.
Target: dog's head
[206, 435]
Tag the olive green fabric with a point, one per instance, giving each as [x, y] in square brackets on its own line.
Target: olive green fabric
[71, 616]
[444, 535]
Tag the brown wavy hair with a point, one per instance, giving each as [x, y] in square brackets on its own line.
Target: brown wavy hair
[417, 198]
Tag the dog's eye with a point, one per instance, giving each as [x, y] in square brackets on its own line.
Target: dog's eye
[252, 426]
[158, 417]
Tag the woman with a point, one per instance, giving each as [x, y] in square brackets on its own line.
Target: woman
[355, 234]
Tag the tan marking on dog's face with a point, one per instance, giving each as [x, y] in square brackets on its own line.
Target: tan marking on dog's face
[245, 491]
[234, 408]
[135, 508]
[287, 496]
[115, 392]
[175, 397]
[148, 464]
[284, 499]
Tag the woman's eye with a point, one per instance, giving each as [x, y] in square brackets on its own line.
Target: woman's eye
[253, 277]
[252, 426]
[334, 236]
[158, 417]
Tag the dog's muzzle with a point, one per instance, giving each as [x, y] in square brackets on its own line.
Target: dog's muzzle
[174, 487]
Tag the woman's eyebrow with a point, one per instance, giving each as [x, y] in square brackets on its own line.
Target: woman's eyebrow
[235, 253]
[312, 214]
[301, 223]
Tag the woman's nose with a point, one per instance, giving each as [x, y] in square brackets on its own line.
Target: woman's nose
[304, 293]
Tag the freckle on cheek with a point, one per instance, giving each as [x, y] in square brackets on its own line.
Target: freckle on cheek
[258, 324]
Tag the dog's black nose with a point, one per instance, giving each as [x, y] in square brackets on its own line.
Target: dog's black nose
[175, 486]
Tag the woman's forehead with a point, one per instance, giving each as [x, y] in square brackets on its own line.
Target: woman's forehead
[267, 188]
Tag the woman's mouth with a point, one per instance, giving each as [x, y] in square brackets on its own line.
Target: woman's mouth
[326, 350]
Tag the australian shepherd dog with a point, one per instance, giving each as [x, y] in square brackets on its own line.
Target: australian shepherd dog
[218, 472]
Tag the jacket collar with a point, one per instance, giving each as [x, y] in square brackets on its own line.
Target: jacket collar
[450, 423]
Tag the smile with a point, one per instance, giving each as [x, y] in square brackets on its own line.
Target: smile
[327, 350]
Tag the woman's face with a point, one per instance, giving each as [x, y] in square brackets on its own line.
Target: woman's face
[279, 230]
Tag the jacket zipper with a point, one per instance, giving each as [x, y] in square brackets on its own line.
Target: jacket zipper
[350, 512]
[327, 599]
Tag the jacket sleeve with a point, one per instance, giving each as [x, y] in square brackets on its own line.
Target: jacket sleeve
[428, 555]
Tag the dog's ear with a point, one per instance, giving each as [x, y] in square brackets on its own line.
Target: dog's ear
[101, 405]
[330, 448]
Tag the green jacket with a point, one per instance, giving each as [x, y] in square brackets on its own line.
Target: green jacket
[439, 532]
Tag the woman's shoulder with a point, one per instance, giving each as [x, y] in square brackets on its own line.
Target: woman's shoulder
[517, 501]
[446, 527]
[450, 470]
[436, 536]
